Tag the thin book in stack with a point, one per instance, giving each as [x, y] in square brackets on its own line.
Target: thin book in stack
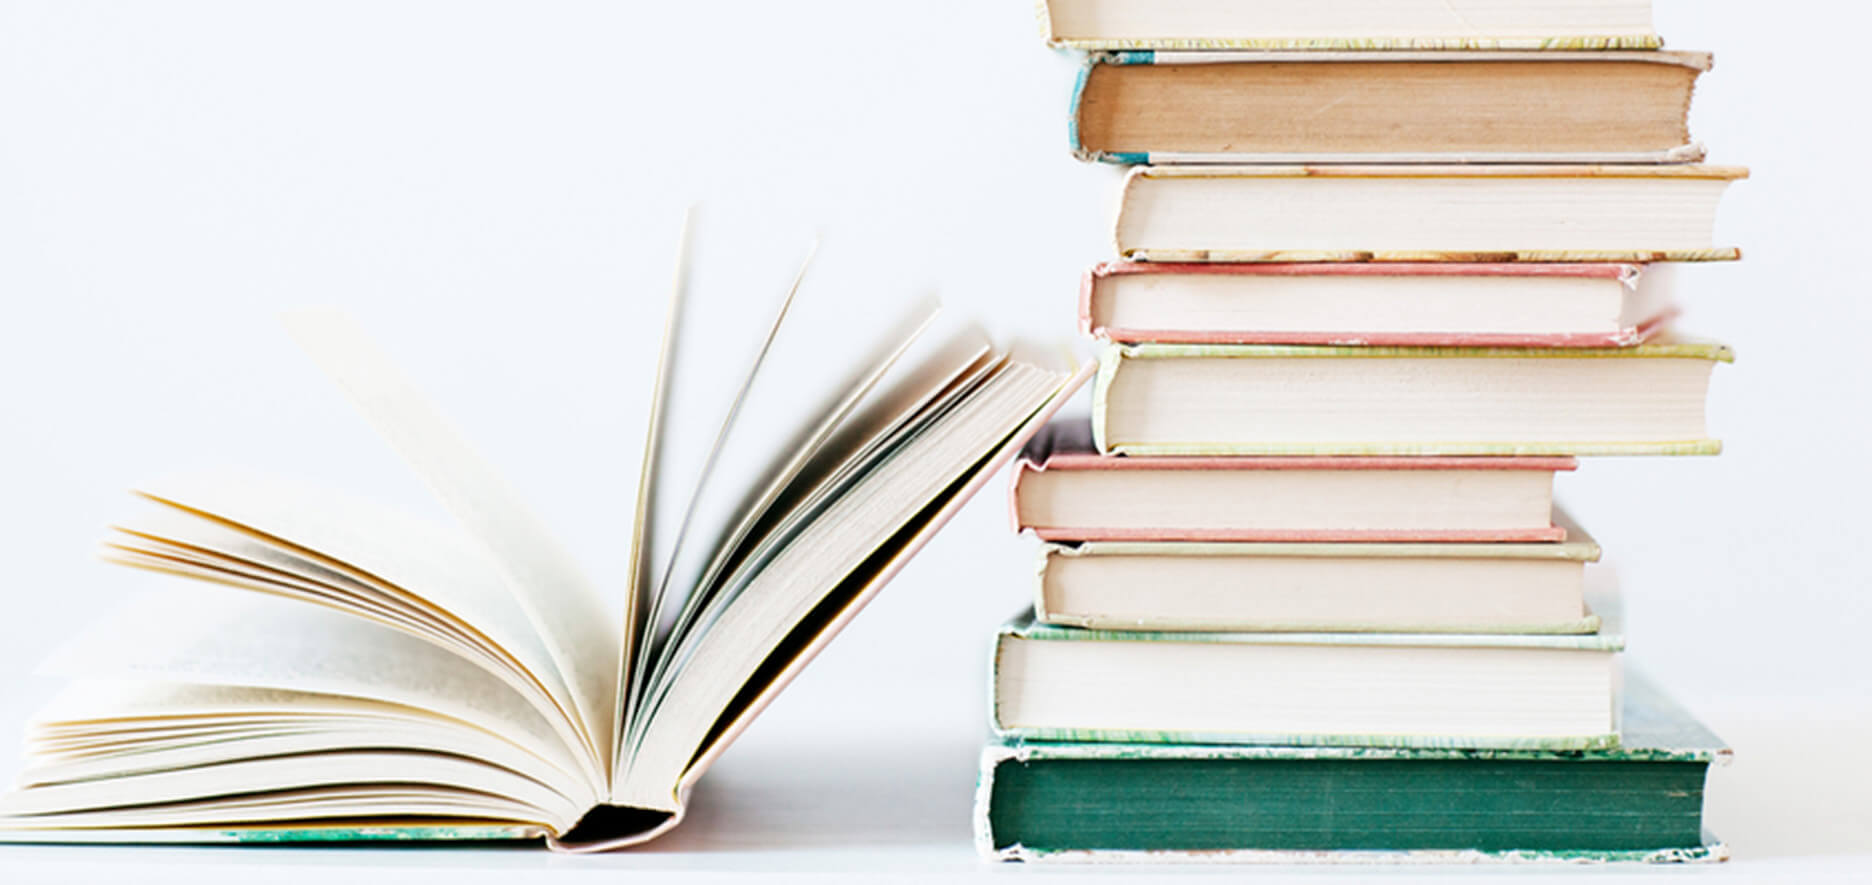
[1385, 270]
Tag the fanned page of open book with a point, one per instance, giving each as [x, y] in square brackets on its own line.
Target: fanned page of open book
[371, 675]
[790, 398]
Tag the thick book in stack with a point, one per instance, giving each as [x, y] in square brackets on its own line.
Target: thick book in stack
[1640, 800]
[1582, 107]
[1304, 593]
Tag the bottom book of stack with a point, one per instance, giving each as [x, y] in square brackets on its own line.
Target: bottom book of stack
[1638, 800]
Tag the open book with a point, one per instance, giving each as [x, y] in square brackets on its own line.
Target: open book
[392, 679]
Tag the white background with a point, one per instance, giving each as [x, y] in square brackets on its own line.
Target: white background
[494, 189]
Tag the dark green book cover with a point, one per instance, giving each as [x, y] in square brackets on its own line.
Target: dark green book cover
[1640, 801]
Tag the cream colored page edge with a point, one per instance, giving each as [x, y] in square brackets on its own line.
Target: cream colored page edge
[562, 603]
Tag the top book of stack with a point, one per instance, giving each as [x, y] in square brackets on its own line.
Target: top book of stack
[1349, 24]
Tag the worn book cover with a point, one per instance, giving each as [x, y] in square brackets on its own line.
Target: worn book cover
[1641, 801]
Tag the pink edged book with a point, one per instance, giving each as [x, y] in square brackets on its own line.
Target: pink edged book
[1384, 304]
[1063, 491]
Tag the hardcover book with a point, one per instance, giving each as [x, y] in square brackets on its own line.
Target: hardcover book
[1469, 690]
[378, 677]
[1403, 212]
[1349, 24]
[1172, 399]
[1641, 801]
[1318, 587]
[1386, 107]
[1395, 304]
[1063, 490]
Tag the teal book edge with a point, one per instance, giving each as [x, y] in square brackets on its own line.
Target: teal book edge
[1025, 626]
[1116, 802]
[1121, 158]
[389, 833]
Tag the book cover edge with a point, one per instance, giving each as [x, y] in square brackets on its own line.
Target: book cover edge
[1684, 154]
[1697, 60]
[1556, 43]
[1666, 349]
[1024, 627]
[1579, 548]
[1340, 537]
[1625, 336]
[1449, 448]
[1626, 275]
[1703, 171]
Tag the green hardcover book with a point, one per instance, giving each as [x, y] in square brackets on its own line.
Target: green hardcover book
[1447, 690]
[1182, 399]
[1641, 801]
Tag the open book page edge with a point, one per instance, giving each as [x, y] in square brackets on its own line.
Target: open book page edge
[910, 327]
[991, 466]
[207, 637]
[995, 462]
[964, 359]
[116, 754]
[562, 603]
[640, 598]
[808, 442]
[817, 573]
[309, 544]
[649, 645]
[185, 541]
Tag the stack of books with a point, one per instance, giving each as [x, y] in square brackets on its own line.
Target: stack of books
[1386, 269]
